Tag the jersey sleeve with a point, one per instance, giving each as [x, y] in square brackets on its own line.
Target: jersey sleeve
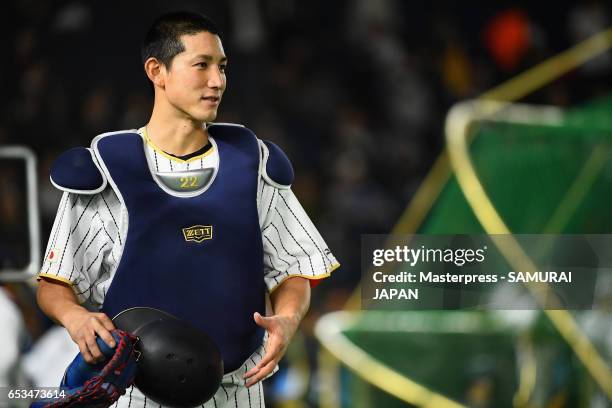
[292, 244]
[79, 250]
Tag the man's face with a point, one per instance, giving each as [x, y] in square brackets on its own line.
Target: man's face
[195, 82]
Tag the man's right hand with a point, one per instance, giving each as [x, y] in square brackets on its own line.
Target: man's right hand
[58, 301]
[83, 326]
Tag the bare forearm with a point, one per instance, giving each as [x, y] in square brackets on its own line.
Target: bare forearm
[292, 299]
[57, 301]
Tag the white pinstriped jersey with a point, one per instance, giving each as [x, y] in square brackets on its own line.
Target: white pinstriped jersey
[86, 240]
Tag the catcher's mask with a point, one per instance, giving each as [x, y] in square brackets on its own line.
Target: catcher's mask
[179, 365]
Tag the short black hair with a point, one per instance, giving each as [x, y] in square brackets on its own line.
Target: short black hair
[163, 40]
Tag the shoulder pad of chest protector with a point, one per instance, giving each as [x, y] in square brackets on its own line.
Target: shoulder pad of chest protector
[77, 171]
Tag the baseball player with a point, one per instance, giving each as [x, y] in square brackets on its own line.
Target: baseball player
[187, 216]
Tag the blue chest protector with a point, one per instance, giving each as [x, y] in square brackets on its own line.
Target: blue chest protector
[215, 284]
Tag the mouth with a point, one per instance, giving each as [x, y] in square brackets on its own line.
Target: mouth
[211, 99]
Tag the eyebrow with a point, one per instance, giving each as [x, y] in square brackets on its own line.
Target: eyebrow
[209, 57]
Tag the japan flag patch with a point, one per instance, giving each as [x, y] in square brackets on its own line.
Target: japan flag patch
[52, 255]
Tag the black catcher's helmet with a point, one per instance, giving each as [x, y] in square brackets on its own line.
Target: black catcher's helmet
[179, 365]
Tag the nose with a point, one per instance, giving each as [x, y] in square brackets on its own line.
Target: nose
[216, 80]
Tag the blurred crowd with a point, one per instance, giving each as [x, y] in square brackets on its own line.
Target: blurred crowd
[355, 92]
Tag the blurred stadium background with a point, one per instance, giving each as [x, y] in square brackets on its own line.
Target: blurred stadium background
[358, 93]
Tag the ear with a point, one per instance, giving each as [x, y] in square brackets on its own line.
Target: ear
[155, 71]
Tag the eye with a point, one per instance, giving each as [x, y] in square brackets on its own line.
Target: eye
[201, 64]
[222, 67]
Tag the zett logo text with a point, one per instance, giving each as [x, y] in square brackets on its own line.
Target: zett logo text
[198, 233]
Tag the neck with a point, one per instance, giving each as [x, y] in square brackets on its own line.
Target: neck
[176, 134]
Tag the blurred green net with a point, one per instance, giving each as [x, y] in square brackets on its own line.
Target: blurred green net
[544, 171]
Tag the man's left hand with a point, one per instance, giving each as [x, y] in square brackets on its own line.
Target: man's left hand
[280, 330]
